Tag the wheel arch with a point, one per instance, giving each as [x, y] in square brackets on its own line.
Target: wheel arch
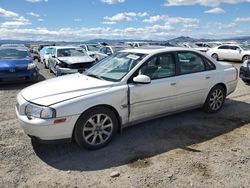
[245, 56]
[106, 106]
[222, 85]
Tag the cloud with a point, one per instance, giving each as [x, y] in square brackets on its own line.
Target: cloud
[112, 1]
[124, 16]
[36, 1]
[171, 20]
[77, 20]
[154, 19]
[33, 14]
[246, 19]
[77, 34]
[16, 22]
[219, 26]
[212, 3]
[40, 20]
[7, 14]
[216, 10]
[108, 23]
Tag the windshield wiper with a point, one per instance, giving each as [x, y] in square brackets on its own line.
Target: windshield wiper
[95, 76]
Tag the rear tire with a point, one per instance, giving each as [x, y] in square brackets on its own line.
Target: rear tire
[215, 56]
[95, 128]
[215, 99]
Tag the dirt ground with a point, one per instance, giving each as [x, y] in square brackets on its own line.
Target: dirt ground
[190, 149]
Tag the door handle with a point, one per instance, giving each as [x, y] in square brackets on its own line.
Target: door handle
[208, 77]
[173, 84]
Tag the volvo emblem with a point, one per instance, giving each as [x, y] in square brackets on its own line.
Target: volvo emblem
[12, 70]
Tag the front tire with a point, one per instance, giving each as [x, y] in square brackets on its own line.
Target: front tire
[245, 58]
[45, 64]
[215, 99]
[95, 128]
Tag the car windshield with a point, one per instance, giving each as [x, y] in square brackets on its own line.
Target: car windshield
[93, 47]
[14, 54]
[246, 47]
[192, 45]
[49, 50]
[115, 67]
[119, 48]
[69, 52]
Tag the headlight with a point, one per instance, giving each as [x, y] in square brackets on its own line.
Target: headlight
[36, 111]
[31, 66]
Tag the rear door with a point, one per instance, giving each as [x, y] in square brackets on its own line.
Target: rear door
[235, 53]
[196, 77]
[158, 97]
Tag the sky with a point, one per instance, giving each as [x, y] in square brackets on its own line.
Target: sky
[81, 20]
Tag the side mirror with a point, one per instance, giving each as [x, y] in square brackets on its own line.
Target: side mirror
[141, 79]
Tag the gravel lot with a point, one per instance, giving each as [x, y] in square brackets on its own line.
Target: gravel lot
[190, 149]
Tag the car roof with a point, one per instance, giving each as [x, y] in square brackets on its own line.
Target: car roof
[158, 50]
[229, 45]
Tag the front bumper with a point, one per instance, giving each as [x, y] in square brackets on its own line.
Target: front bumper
[44, 129]
[61, 71]
[28, 75]
[245, 73]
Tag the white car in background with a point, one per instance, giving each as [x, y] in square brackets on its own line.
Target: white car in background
[230, 52]
[128, 87]
[91, 50]
[108, 50]
[196, 47]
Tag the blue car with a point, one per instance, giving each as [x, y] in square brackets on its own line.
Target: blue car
[17, 65]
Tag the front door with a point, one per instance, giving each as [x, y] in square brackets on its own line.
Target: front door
[147, 100]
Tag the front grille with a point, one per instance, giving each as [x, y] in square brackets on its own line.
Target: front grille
[81, 65]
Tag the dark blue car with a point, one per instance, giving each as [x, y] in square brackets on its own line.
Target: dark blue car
[17, 65]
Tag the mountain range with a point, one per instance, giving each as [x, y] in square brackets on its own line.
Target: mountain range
[175, 40]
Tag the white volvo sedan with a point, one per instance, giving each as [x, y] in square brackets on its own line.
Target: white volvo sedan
[128, 87]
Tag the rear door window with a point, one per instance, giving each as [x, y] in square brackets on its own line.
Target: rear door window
[190, 63]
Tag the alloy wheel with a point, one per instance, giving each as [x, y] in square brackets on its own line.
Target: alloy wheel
[216, 99]
[98, 129]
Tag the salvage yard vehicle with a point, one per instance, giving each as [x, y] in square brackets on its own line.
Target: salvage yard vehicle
[91, 50]
[245, 71]
[17, 65]
[230, 52]
[44, 54]
[108, 50]
[123, 89]
[67, 60]
[196, 47]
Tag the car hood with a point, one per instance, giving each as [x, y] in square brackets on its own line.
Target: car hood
[14, 63]
[76, 59]
[64, 88]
